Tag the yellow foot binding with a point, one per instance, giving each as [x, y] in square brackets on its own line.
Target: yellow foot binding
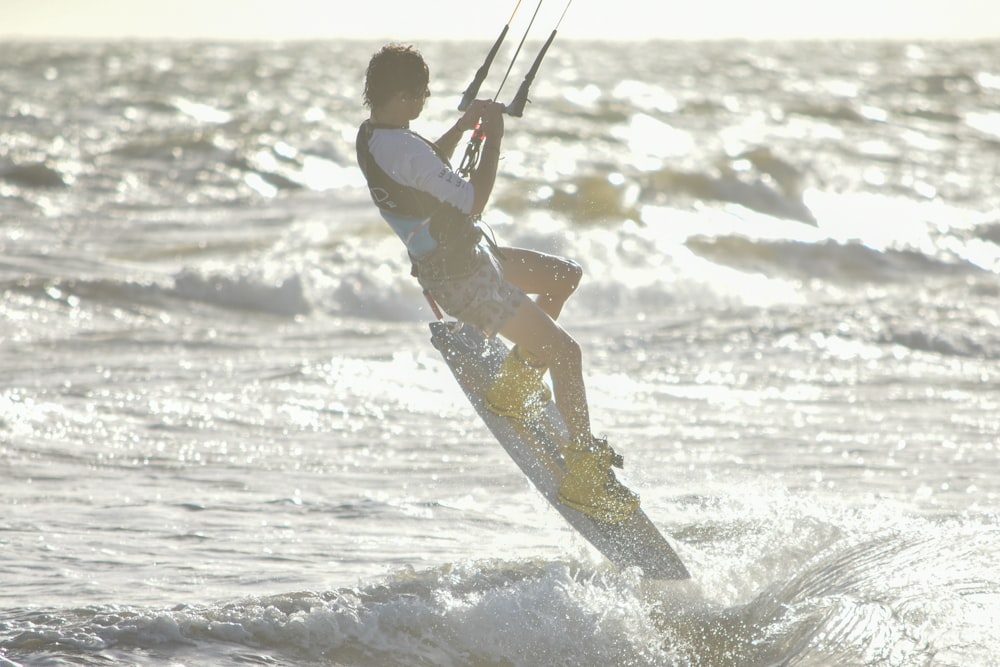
[518, 390]
[590, 486]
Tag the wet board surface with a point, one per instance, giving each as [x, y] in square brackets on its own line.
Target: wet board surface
[535, 448]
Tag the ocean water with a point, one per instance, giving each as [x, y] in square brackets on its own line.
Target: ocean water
[225, 438]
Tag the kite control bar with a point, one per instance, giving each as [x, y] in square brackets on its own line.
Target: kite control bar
[516, 107]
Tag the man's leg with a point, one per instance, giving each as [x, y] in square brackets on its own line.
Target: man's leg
[590, 485]
[553, 279]
[534, 331]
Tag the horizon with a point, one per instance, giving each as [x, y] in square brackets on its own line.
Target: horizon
[403, 20]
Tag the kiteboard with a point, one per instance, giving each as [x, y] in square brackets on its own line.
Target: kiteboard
[535, 447]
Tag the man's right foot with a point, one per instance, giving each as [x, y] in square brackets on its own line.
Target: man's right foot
[590, 485]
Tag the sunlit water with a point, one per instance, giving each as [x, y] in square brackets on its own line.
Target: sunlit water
[225, 438]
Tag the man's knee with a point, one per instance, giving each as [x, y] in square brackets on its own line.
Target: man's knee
[565, 352]
[572, 274]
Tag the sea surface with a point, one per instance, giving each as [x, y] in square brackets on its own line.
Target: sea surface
[225, 438]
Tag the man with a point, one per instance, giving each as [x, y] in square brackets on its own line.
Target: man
[434, 212]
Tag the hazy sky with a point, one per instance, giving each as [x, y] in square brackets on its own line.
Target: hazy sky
[408, 20]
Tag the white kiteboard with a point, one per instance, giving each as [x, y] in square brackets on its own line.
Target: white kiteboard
[534, 446]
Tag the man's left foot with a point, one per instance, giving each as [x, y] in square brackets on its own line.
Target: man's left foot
[590, 485]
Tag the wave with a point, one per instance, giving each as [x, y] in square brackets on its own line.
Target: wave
[171, 145]
[202, 156]
[945, 341]
[519, 613]
[35, 175]
[285, 297]
[989, 232]
[829, 260]
[895, 597]
[755, 178]
[843, 592]
[753, 191]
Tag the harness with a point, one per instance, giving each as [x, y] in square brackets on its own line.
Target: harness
[453, 232]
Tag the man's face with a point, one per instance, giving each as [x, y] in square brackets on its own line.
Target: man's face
[415, 99]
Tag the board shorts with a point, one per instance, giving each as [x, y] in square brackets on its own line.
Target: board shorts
[472, 289]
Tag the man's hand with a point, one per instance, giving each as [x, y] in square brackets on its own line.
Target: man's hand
[472, 115]
[485, 112]
[492, 120]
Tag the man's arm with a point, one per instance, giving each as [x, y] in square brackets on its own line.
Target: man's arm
[449, 140]
[485, 175]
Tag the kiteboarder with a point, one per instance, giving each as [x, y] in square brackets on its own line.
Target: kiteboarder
[435, 212]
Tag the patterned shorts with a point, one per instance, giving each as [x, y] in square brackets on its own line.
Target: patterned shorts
[477, 294]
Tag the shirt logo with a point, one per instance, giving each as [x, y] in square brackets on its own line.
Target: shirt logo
[381, 197]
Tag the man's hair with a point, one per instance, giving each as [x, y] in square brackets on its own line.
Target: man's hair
[394, 69]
